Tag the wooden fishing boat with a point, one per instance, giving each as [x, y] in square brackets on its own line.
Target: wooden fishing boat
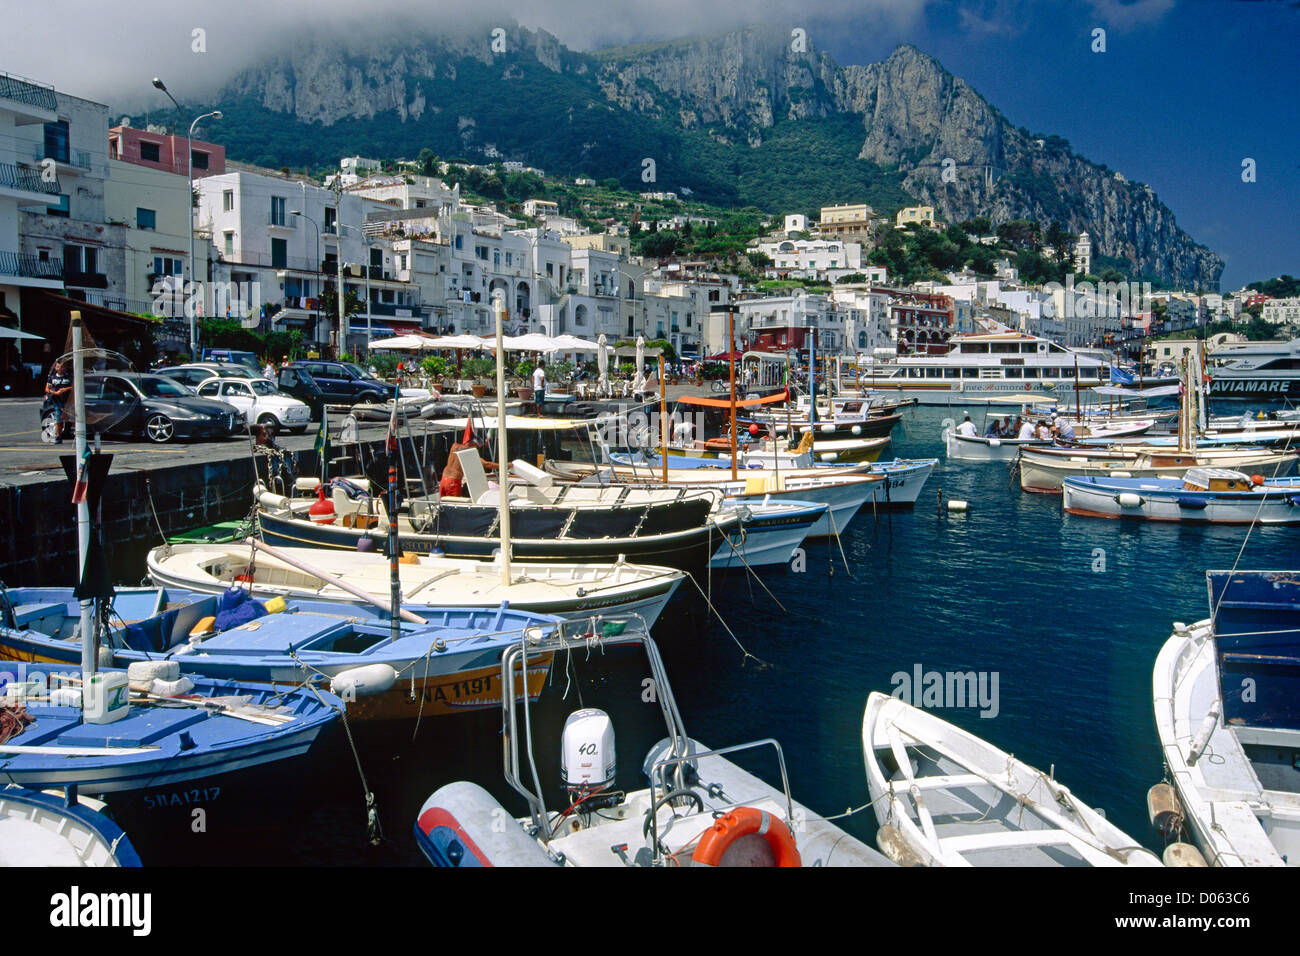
[1043, 470]
[564, 590]
[771, 530]
[1227, 707]
[944, 797]
[1201, 496]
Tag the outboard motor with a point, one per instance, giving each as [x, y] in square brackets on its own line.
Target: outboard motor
[587, 759]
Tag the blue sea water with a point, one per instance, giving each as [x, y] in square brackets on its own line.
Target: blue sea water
[1068, 611]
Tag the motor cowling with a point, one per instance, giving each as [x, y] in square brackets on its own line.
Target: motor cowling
[587, 756]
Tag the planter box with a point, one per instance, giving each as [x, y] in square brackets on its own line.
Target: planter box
[478, 390]
[524, 393]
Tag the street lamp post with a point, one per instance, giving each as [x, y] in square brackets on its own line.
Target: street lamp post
[189, 210]
[366, 244]
[299, 213]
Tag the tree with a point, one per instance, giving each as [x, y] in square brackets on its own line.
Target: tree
[1021, 233]
[428, 161]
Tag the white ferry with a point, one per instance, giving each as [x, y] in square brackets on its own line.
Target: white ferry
[1262, 371]
[982, 367]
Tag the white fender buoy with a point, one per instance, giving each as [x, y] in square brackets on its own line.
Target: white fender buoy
[146, 672]
[363, 681]
[995, 443]
[1121, 474]
[956, 504]
[1182, 854]
[1203, 735]
[827, 429]
[856, 429]
[1129, 500]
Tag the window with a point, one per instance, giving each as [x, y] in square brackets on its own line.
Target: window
[228, 243]
[227, 200]
[146, 218]
[376, 258]
[509, 257]
[166, 266]
[56, 141]
[550, 269]
[279, 253]
[199, 159]
[481, 252]
[331, 219]
[150, 152]
[61, 209]
[277, 210]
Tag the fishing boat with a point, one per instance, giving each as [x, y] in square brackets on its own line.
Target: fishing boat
[1200, 496]
[1227, 707]
[695, 806]
[944, 797]
[440, 662]
[1044, 470]
[564, 590]
[676, 528]
[49, 829]
[770, 531]
[983, 448]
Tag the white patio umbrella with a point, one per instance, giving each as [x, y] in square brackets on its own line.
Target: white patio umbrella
[458, 342]
[531, 342]
[602, 364]
[8, 333]
[571, 343]
[638, 381]
[404, 343]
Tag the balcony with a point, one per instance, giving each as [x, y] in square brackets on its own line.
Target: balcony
[286, 223]
[84, 280]
[30, 267]
[40, 101]
[75, 162]
[28, 182]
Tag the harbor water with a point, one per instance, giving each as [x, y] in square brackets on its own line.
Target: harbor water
[1059, 616]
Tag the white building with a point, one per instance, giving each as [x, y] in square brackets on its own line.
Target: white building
[823, 259]
[1282, 311]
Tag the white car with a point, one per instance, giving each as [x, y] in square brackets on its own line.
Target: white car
[260, 401]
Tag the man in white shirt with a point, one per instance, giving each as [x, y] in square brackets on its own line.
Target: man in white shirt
[1026, 431]
[966, 428]
[539, 382]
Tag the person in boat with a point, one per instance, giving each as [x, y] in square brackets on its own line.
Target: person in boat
[1026, 432]
[994, 430]
[1043, 432]
[1063, 431]
[967, 428]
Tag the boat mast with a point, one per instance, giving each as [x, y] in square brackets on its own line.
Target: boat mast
[731, 362]
[394, 554]
[663, 419]
[503, 466]
[88, 661]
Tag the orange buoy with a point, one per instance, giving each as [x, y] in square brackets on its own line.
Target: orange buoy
[1256, 480]
[742, 822]
[322, 511]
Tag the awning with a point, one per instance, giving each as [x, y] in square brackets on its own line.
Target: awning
[359, 328]
[726, 403]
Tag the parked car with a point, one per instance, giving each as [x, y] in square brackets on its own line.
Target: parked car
[344, 383]
[246, 360]
[260, 401]
[196, 373]
[156, 407]
[299, 383]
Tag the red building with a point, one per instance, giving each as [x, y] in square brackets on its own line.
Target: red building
[165, 151]
[922, 323]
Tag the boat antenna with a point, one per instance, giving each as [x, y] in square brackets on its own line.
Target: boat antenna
[394, 554]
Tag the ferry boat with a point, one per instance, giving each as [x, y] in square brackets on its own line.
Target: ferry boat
[1261, 371]
[983, 366]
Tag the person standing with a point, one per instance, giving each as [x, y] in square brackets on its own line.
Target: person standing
[58, 388]
[539, 382]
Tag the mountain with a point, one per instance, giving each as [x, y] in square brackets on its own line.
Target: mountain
[738, 119]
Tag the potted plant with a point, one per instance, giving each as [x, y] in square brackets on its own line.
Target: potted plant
[524, 371]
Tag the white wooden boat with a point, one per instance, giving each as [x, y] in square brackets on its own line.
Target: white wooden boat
[566, 590]
[1234, 757]
[769, 532]
[1043, 470]
[980, 448]
[1201, 496]
[944, 797]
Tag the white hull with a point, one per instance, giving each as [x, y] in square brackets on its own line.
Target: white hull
[978, 448]
[1234, 820]
[1046, 475]
[1109, 501]
[959, 801]
[567, 590]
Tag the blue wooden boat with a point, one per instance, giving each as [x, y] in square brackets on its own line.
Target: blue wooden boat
[448, 665]
[46, 829]
[1201, 496]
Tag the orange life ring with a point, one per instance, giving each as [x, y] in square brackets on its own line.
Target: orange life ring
[743, 821]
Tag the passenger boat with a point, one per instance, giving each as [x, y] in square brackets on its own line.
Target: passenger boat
[982, 366]
[564, 590]
[695, 806]
[1201, 496]
[1227, 707]
[1043, 470]
[443, 662]
[944, 797]
[1256, 371]
[39, 828]
[983, 448]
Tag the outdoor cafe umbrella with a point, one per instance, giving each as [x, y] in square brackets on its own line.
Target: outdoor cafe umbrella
[638, 382]
[401, 343]
[8, 333]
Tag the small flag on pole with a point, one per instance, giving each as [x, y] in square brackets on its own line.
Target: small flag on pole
[82, 486]
[323, 444]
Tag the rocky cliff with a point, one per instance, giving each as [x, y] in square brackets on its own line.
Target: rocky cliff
[950, 147]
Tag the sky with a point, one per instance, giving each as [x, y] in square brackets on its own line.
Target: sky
[1184, 92]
